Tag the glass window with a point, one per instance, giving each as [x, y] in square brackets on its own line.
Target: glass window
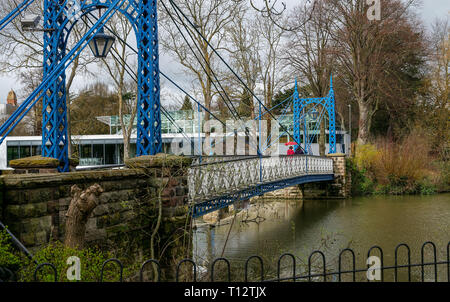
[189, 127]
[312, 139]
[110, 154]
[120, 159]
[25, 151]
[12, 153]
[132, 150]
[36, 150]
[86, 151]
[98, 154]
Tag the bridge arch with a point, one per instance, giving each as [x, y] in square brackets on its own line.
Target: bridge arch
[143, 16]
[327, 103]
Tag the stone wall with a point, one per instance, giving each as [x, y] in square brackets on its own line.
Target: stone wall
[293, 192]
[33, 206]
[341, 185]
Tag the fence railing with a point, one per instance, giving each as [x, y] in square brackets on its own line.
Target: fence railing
[314, 272]
[216, 178]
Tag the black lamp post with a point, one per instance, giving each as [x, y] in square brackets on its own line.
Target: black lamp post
[314, 114]
[101, 44]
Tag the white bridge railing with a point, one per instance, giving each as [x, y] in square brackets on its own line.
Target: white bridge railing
[214, 179]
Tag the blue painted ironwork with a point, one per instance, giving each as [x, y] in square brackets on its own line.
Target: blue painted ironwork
[328, 105]
[54, 110]
[55, 73]
[142, 15]
[214, 204]
[149, 140]
[223, 181]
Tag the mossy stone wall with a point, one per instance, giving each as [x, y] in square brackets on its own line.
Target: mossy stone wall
[34, 206]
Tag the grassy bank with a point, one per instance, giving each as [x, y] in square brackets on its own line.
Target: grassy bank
[405, 167]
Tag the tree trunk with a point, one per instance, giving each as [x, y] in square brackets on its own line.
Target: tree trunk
[363, 123]
[80, 208]
[321, 138]
[126, 146]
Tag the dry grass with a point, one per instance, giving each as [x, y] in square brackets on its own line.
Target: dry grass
[406, 161]
[399, 167]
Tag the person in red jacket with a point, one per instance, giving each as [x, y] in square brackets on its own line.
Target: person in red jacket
[290, 151]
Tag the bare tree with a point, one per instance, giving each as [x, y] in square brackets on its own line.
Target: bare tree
[360, 50]
[210, 18]
[274, 9]
[308, 51]
[272, 70]
[435, 106]
[244, 47]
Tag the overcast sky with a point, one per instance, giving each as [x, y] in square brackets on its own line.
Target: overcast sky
[429, 10]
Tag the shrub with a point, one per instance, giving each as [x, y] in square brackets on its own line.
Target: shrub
[91, 264]
[361, 183]
[426, 187]
[403, 167]
[404, 163]
[443, 178]
[8, 257]
[366, 156]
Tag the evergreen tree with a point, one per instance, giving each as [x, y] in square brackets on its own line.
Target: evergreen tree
[187, 105]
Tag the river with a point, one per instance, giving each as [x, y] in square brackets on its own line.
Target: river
[289, 226]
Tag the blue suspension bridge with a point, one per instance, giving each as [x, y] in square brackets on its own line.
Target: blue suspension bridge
[214, 182]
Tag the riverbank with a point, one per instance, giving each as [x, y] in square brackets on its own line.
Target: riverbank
[397, 169]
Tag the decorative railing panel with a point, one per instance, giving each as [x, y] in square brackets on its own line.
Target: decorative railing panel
[214, 178]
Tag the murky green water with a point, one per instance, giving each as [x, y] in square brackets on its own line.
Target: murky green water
[330, 226]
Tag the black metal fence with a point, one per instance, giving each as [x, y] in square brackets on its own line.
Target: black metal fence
[311, 274]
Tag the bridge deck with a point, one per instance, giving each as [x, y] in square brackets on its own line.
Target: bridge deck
[218, 183]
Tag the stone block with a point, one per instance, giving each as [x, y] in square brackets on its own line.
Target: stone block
[41, 238]
[14, 212]
[100, 210]
[39, 195]
[35, 209]
[14, 197]
[95, 235]
[28, 239]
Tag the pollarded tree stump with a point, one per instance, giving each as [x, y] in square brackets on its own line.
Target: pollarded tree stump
[80, 208]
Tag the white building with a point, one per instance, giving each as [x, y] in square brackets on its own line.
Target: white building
[107, 149]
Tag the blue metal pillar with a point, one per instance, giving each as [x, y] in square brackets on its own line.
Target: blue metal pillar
[54, 120]
[149, 140]
[260, 144]
[297, 113]
[331, 118]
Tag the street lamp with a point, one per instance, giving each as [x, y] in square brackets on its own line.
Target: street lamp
[31, 23]
[101, 44]
[314, 114]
